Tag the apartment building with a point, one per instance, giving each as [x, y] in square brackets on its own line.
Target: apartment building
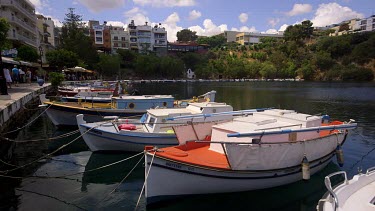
[248, 38]
[119, 38]
[345, 27]
[159, 38]
[231, 35]
[366, 24]
[143, 38]
[100, 35]
[46, 35]
[21, 16]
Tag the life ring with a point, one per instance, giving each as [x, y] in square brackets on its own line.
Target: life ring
[131, 105]
[165, 104]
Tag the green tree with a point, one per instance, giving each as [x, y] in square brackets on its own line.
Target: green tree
[171, 67]
[324, 61]
[186, 35]
[127, 58]
[213, 41]
[73, 39]
[62, 58]
[109, 65]
[268, 70]
[27, 53]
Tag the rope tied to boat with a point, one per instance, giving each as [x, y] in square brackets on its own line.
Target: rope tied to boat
[20, 128]
[53, 152]
[45, 139]
[123, 179]
[148, 172]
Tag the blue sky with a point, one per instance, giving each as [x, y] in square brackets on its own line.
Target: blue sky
[210, 17]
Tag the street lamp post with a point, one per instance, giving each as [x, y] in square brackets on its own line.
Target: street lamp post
[41, 56]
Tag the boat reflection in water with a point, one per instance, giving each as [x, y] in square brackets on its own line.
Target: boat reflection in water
[113, 174]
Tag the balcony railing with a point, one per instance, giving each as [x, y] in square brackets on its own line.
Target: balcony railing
[23, 24]
[16, 4]
[25, 39]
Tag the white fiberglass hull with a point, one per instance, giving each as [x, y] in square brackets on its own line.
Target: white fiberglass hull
[103, 140]
[192, 180]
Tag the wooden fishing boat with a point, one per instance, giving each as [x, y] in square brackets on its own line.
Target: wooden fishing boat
[154, 128]
[264, 150]
[64, 113]
[355, 194]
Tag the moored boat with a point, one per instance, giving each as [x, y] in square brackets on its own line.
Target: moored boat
[264, 150]
[155, 128]
[355, 194]
[64, 113]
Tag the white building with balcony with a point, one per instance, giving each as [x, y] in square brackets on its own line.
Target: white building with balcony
[22, 19]
[143, 38]
[119, 38]
[367, 24]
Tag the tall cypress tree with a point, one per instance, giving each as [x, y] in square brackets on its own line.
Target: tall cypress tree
[74, 39]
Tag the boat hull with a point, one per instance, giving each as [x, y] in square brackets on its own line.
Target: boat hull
[66, 116]
[100, 140]
[214, 180]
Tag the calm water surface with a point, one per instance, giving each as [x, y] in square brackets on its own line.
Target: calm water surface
[103, 190]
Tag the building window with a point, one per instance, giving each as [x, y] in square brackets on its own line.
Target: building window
[363, 22]
[133, 33]
[115, 44]
[123, 38]
[363, 27]
[123, 45]
[115, 38]
[99, 39]
[98, 32]
[133, 39]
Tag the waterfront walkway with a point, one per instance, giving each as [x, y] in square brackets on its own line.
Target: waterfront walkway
[19, 96]
[20, 91]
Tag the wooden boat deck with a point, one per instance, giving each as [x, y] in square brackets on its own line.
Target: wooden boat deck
[199, 154]
[195, 154]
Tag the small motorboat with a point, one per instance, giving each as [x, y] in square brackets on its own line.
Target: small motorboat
[64, 113]
[154, 128]
[263, 150]
[356, 194]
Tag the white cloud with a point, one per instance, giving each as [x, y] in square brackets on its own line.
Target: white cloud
[273, 21]
[332, 13]
[283, 27]
[247, 29]
[194, 15]
[116, 23]
[170, 25]
[271, 31]
[39, 4]
[243, 17]
[209, 28]
[138, 15]
[299, 9]
[100, 5]
[165, 3]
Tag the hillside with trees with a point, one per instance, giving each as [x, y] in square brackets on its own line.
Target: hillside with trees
[300, 54]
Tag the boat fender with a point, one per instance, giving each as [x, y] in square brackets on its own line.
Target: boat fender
[305, 168]
[127, 127]
[325, 119]
[340, 155]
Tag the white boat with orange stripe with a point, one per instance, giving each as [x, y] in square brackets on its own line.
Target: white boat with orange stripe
[264, 150]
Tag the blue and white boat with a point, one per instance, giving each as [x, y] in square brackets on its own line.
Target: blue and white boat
[64, 113]
[154, 128]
